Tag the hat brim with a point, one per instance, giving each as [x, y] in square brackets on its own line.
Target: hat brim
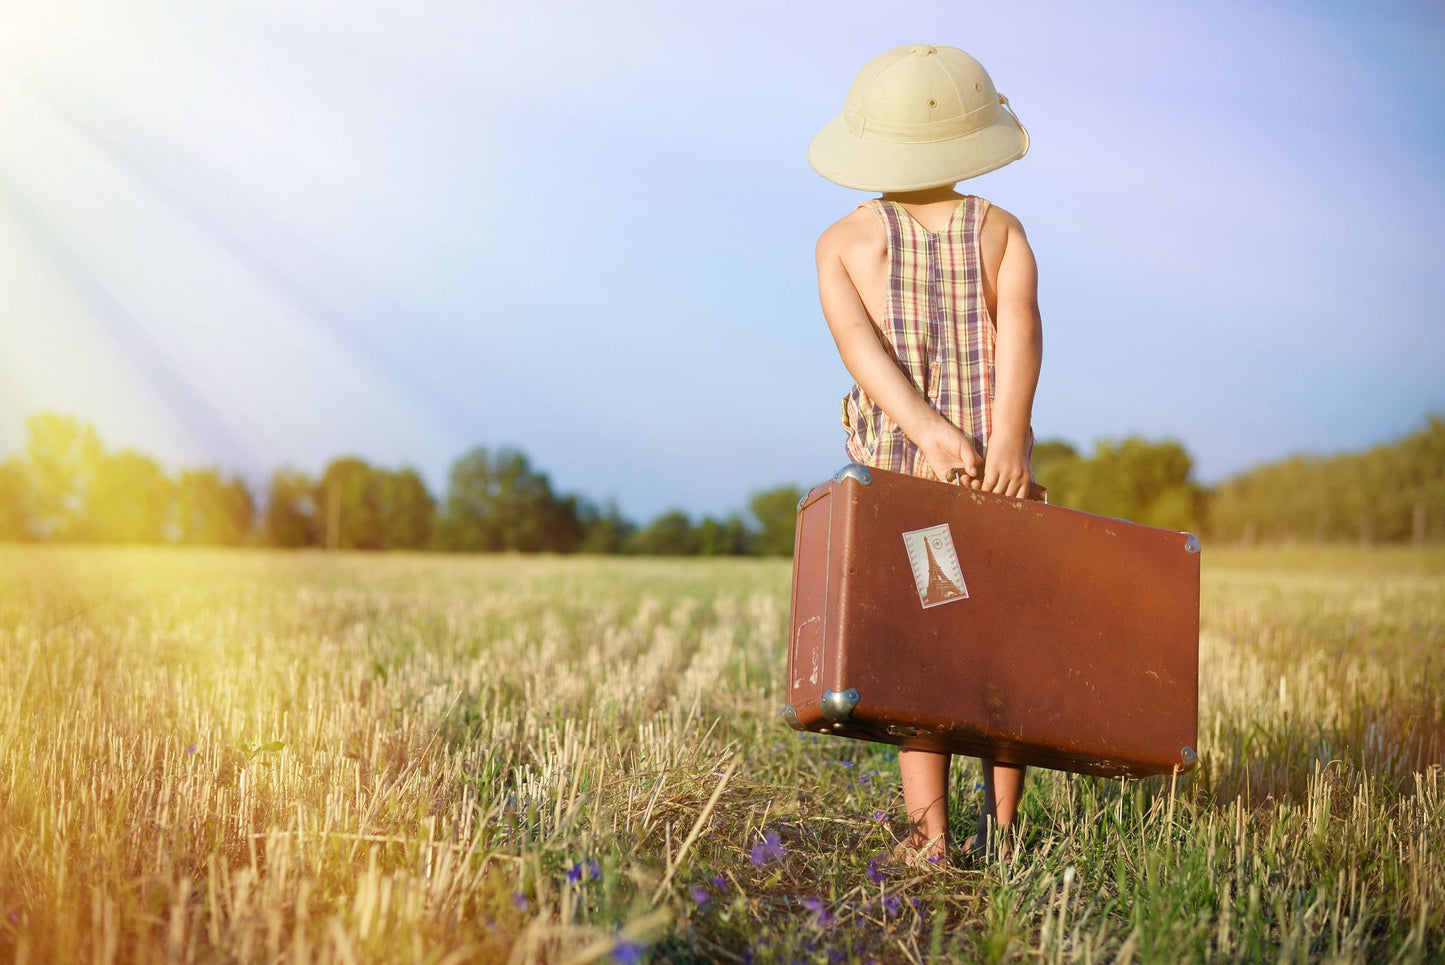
[872, 164]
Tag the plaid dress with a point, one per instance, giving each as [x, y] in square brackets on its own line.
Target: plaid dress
[936, 327]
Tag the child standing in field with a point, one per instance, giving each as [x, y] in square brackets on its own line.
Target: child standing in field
[932, 298]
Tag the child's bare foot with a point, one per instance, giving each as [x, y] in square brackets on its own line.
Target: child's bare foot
[914, 853]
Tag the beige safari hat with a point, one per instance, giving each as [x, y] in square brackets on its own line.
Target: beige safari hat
[918, 117]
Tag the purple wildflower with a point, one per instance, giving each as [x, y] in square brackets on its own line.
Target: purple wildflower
[767, 849]
[719, 882]
[190, 750]
[592, 870]
[520, 900]
[880, 815]
[700, 896]
[847, 763]
[821, 917]
[874, 875]
[891, 905]
[864, 780]
[626, 951]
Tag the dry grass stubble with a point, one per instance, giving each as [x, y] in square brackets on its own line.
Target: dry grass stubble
[246, 755]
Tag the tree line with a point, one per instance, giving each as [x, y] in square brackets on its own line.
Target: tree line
[65, 486]
[1390, 493]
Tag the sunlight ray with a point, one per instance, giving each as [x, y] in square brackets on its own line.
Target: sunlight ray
[317, 283]
[190, 312]
[198, 417]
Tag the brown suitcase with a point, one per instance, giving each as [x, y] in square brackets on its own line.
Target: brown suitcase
[933, 616]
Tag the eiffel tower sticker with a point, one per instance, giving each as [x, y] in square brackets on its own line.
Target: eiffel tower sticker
[936, 573]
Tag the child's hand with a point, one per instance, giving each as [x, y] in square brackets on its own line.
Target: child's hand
[950, 454]
[1006, 468]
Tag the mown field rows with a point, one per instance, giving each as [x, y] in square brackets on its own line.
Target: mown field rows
[256, 756]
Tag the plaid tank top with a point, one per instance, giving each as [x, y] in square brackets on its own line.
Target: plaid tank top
[937, 329]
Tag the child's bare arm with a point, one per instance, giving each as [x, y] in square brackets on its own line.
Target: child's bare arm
[944, 446]
[1017, 357]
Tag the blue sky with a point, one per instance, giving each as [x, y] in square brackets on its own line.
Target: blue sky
[271, 233]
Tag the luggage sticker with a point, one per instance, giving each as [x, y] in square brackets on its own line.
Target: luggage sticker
[935, 565]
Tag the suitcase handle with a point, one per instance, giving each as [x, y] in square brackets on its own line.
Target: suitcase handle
[1039, 494]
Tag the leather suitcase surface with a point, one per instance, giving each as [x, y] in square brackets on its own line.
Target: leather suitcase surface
[933, 616]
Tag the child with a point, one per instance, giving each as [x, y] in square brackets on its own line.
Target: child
[931, 296]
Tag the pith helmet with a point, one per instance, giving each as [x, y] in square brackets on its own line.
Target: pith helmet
[918, 117]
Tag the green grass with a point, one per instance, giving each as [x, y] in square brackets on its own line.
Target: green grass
[228, 755]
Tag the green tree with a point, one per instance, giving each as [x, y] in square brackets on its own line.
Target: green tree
[1281, 501]
[607, 531]
[14, 500]
[408, 510]
[356, 488]
[499, 502]
[375, 508]
[726, 537]
[290, 517]
[563, 529]
[1049, 457]
[213, 511]
[129, 500]
[670, 534]
[776, 511]
[1136, 479]
[1423, 483]
[61, 455]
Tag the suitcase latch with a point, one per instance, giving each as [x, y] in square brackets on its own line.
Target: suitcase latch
[838, 705]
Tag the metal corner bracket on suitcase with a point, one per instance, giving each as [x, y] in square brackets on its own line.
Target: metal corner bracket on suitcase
[931, 615]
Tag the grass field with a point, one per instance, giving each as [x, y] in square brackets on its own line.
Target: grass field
[254, 756]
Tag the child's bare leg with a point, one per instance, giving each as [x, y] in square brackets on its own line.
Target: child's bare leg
[1003, 787]
[925, 799]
